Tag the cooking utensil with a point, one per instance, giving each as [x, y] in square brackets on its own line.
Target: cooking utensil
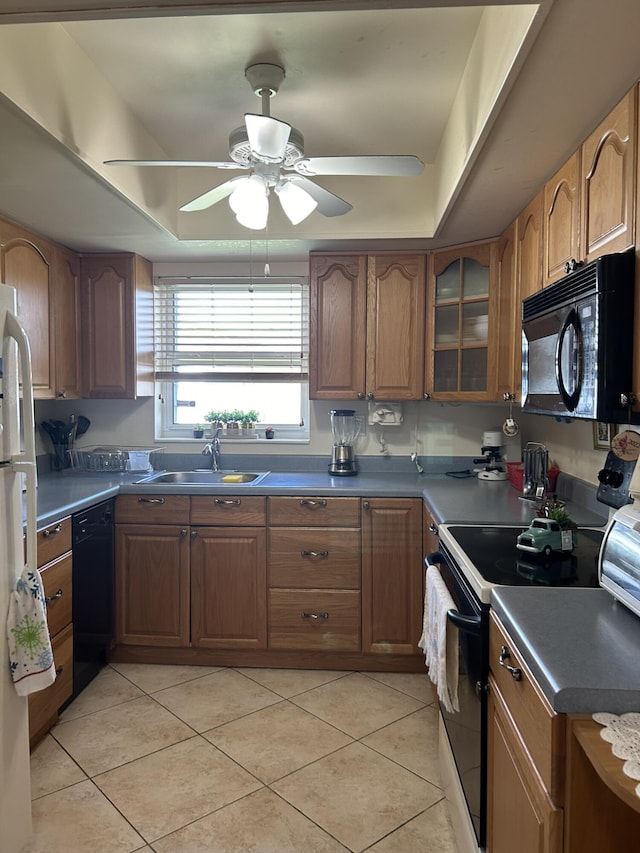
[82, 425]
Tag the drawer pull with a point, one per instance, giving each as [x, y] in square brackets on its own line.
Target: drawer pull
[305, 502]
[231, 502]
[314, 615]
[53, 531]
[514, 671]
[53, 597]
[150, 500]
[314, 553]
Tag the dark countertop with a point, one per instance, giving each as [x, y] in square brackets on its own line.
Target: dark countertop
[580, 644]
[449, 499]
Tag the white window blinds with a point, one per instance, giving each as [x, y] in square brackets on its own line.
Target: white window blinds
[231, 329]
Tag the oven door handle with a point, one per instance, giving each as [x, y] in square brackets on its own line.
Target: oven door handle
[470, 624]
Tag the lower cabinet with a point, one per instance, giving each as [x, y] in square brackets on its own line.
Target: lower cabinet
[282, 581]
[55, 563]
[392, 575]
[526, 740]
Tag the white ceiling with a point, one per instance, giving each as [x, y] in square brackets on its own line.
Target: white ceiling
[369, 81]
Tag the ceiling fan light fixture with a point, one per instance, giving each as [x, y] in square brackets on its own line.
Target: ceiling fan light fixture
[250, 202]
[296, 202]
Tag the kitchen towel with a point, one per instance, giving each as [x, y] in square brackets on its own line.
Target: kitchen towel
[30, 653]
[440, 639]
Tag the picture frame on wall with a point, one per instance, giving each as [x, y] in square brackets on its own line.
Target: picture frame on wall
[602, 435]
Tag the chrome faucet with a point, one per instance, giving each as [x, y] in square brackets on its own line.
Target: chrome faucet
[212, 448]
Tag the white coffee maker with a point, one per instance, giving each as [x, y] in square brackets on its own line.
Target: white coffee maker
[345, 428]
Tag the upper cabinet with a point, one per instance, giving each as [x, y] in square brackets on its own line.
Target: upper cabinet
[366, 327]
[561, 225]
[608, 182]
[45, 276]
[529, 236]
[460, 359]
[508, 340]
[117, 326]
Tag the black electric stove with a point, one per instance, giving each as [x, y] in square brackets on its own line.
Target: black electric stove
[493, 552]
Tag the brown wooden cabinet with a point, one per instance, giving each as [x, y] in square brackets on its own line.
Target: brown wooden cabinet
[529, 238]
[117, 326]
[55, 565]
[561, 220]
[191, 571]
[460, 358]
[314, 574]
[508, 339]
[366, 326]
[228, 572]
[526, 741]
[608, 181]
[45, 276]
[392, 575]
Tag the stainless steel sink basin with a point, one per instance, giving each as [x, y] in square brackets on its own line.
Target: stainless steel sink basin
[203, 478]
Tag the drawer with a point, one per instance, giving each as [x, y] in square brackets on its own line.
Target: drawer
[54, 540]
[229, 510]
[313, 557]
[542, 730]
[312, 512]
[56, 580]
[44, 705]
[154, 509]
[314, 619]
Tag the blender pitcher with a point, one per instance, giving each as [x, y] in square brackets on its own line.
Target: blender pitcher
[345, 428]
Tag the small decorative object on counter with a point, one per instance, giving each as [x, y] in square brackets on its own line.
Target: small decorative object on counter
[269, 432]
[546, 535]
[198, 431]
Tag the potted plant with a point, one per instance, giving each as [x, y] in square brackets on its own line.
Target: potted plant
[249, 419]
[215, 418]
[269, 432]
[198, 431]
[233, 419]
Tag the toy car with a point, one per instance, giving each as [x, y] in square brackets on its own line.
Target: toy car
[545, 535]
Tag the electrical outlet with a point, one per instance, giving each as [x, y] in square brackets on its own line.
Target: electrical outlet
[385, 414]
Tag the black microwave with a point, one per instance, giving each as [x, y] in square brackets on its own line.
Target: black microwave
[577, 342]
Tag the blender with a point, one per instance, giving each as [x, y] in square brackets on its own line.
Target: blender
[345, 427]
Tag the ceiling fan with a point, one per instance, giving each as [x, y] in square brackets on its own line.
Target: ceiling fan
[272, 151]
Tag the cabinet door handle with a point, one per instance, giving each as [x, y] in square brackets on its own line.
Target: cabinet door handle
[433, 529]
[150, 500]
[306, 615]
[305, 502]
[366, 505]
[370, 395]
[194, 533]
[52, 531]
[53, 597]
[183, 532]
[59, 670]
[514, 671]
[314, 553]
[230, 502]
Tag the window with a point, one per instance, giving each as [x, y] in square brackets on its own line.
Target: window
[232, 343]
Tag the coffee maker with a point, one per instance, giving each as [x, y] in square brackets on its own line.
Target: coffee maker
[345, 428]
[492, 458]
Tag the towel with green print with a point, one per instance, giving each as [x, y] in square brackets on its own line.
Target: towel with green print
[30, 653]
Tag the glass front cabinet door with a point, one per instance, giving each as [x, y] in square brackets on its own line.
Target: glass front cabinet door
[461, 348]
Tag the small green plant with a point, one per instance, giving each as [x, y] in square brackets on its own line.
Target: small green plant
[562, 517]
[250, 417]
[214, 416]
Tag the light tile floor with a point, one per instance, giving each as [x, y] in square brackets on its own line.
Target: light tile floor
[178, 759]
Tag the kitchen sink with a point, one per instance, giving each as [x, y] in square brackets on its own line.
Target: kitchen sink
[203, 478]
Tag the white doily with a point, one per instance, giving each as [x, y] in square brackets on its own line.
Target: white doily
[623, 733]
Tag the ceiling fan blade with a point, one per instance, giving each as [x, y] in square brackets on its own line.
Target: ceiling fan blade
[377, 165]
[328, 203]
[216, 164]
[211, 196]
[268, 137]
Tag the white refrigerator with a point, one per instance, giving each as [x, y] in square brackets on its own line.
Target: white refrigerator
[17, 469]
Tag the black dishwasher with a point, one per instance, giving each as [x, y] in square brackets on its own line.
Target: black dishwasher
[92, 590]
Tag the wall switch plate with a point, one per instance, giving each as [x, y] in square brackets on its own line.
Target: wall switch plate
[385, 414]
